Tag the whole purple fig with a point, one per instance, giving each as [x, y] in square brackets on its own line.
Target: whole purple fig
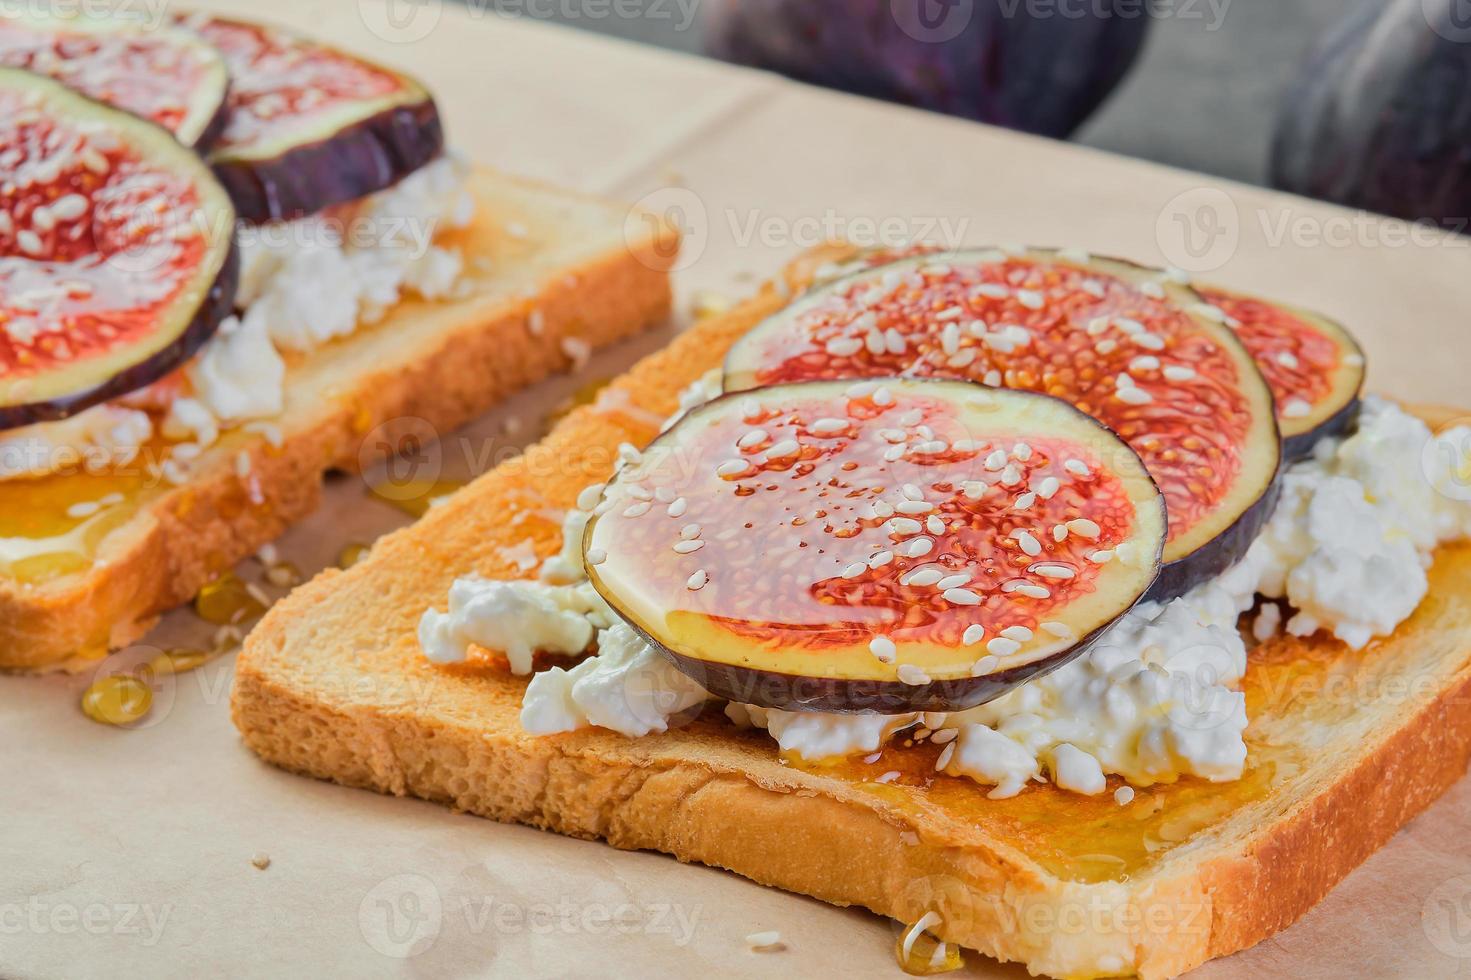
[1037, 66]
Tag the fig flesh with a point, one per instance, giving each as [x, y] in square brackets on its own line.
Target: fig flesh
[117, 255]
[165, 75]
[894, 546]
[1126, 345]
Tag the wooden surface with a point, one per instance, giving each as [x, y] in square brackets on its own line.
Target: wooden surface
[128, 853]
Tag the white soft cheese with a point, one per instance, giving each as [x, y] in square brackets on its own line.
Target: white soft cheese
[516, 618]
[627, 688]
[238, 375]
[1155, 698]
[302, 283]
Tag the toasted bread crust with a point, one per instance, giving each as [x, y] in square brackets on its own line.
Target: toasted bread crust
[331, 684]
[478, 352]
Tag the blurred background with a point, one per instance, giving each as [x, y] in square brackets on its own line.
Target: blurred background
[1363, 102]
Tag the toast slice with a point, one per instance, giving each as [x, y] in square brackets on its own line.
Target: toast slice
[578, 273]
[1345, 747]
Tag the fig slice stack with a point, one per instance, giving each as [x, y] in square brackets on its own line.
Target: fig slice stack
[890, 546]
[1124, 344]
[311, 126]
[117, 257]
[165, 75]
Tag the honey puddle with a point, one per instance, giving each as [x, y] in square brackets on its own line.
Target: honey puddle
[53, 526]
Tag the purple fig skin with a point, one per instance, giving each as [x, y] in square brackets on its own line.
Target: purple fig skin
[1377, 118]
[218, 304]
[1341, 423]
[362, 159]
[215, 128]
[980, 59]
[1224, 550]
[789, 692]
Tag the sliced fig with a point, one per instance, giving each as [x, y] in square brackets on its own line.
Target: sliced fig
[311, 126]
[165, 75]
[1314, 366]
[903, 545]
[117, 256]
[1122, 343]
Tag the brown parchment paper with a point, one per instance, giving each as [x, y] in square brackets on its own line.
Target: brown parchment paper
[129, 853]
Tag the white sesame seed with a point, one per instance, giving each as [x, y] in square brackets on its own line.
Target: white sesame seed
[763, 940]
[828, 427]
[1048, 487]
[1019, 633]
[911, 492]
[1149, 341]
[754, 437]
[881, 559]
[691, 531]
[856, 569]
[844, 346]
[639, 509]
[1025, 501]
[1296, 408]
[677, 508]
[1021, 451]
[945, 736]
[993, 378]
[1178, 372]
[1048, 570]
[862, 389]
[1134, 396]
[883, 397]
[984, 666]
[1059, 533]
[732, 467]
[588, 498]
[934, 525]
[914, 507]
[912, 675]
[1084, 528]
[919, 547]
[905, 527]
[883, 648]
[974, 489]
[923, 577]
[1101, 557]
[1028, 543]
[894, 453]
[974, 633]
[991, 290]
[1003, 647]
[954, 581]
[883, 509]
[894, 341]
[1011, 475]
[1033, 591]
[1106, 346]
[961, 597]
[1076, 467]
[84, 509]
[946, 754]
[688, 547]
[1144, 362]
[996, 460]
[638, 491]
[1060, 630]
[1030, 298]
[596, 556]
[784, 449]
